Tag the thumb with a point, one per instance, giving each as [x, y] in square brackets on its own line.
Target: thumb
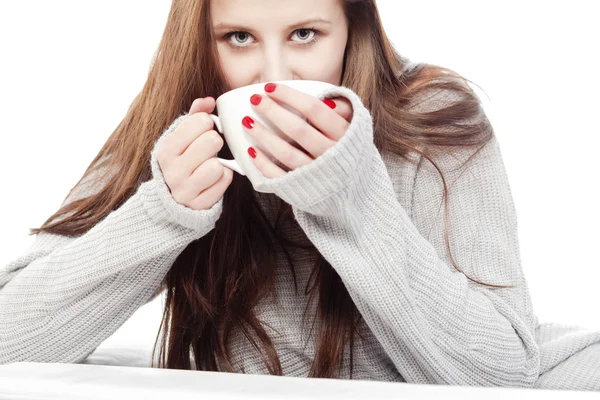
[205, 104]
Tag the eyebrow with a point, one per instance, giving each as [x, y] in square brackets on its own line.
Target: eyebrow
[224, 25]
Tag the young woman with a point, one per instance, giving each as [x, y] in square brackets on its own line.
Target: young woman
[346, 270]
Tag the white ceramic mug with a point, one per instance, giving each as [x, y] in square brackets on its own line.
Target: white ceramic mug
[234, 105]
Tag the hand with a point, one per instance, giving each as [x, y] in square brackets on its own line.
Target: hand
[187, 159]
[328, 121]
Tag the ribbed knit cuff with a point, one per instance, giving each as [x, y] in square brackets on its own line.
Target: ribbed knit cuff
[335, 169]
[162, 206]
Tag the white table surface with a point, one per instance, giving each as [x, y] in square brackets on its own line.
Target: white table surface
[27, 380]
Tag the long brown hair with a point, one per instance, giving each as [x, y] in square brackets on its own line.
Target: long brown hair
[214, 284]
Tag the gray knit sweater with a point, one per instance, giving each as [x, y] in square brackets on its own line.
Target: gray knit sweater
[378, 219]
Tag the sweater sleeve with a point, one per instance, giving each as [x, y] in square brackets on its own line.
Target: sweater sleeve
[62, 298]
[436, 325]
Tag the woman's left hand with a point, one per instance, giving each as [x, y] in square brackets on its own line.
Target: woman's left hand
[328, 121]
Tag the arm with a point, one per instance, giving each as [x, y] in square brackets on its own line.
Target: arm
[436, 325]
[64, 296]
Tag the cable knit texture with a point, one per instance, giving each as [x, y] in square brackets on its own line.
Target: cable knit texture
[377, 218]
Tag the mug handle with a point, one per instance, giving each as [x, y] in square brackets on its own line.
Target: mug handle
[232, 164]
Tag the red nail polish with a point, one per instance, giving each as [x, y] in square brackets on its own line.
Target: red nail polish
[252, 152]
[330, 103]
[270, 87]
[255, 99]
[248, 122]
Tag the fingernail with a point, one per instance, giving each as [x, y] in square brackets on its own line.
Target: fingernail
[252, 152]
[270, 87]
[248, 122]
[255, 99]
[330, 103]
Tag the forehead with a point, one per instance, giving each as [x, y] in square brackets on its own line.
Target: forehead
[273, 12]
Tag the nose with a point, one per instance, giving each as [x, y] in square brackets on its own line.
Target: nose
[276, 66]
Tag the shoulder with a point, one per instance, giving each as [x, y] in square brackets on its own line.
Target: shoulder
[437, 95]
[446, 121]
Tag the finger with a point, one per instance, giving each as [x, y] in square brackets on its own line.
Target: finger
[325, 119]
[199, 151]
[204, 176]
[211, 195]
[264, 164]
[295, 127]
[190, 129]
[205, 104]
[341, 106]
[283, 151]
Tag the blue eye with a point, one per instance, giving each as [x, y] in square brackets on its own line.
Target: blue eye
[315, 36]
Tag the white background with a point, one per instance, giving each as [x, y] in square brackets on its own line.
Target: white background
[70, 69]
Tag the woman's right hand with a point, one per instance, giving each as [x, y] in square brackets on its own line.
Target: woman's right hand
[187, 159]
